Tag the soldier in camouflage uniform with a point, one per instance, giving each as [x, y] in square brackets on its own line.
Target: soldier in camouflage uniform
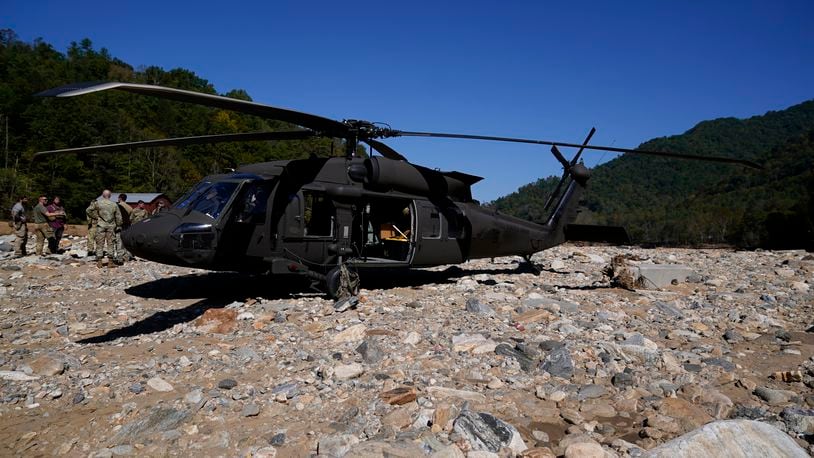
[92, 212]
[110, 222]
[19, 223]
[127, 215]
[42, 231]
[139, 213]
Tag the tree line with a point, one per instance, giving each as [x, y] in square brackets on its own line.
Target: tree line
[689, 203]
[30, 124]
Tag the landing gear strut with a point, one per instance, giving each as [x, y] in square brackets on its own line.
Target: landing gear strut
[342, 282]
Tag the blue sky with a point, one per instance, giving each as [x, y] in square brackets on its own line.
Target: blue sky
[535, 69]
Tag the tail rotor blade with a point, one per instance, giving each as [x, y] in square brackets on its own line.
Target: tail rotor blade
[566, 166]
[584, 144]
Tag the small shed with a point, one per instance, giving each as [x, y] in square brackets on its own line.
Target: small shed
[151, 199]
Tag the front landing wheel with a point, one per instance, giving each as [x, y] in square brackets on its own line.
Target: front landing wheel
[342, 282]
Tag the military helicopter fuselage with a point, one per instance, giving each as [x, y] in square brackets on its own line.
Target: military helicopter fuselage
[307, 217]
[329, 218]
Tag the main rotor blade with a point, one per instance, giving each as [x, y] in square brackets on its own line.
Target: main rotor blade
[326, 126]
[182, 141]
[385, 150]
[728, 160]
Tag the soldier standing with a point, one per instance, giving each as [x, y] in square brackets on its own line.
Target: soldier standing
[110, 222]
[126, 212]
[57, 224]
[92, 212]
[19, 223]
[42, 231]
[139, 213]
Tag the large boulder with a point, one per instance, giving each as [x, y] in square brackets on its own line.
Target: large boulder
[731, 439]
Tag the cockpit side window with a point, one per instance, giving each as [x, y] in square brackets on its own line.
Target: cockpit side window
[251, 207]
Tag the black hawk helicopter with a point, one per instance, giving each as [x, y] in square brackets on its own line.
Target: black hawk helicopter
[332, 218]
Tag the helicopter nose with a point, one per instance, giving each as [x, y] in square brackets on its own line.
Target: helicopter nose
[150, 239]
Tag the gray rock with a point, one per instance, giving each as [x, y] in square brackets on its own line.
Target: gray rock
[720, 362]
[661, 275]
[246, 354]
[277, 439]
[551, 345]
[475, 306]
[622, 380]
[290, 389]
[136, 388]
[590, 392]
[732, 336]
[159, 420]
[227, 384]
[159, 384]
[348, 371]
[559, 363]
[551, 304]
[526, 363]
[371, 351]
[337, 445]
[250, 410]
[669, 309]
[487, 433]
[730, 438]
[772, 397]
[801, 421]
[122, 450]
[194, 397]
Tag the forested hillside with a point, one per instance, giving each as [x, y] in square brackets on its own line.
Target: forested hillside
[678, 201]
[36, 124]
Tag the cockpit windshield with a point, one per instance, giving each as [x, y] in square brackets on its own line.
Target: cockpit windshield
[211, 200]
[193, 194]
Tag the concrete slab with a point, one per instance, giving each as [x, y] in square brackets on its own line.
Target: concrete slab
[661, 275]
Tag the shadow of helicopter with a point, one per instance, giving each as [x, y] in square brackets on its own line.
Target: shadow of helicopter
[219, 289]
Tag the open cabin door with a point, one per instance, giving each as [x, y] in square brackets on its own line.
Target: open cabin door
[384, 230]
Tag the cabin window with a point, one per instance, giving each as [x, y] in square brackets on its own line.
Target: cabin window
[456, 223]
[432, 227]
[318, 215]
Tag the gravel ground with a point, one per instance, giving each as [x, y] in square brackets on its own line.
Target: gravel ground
[488, 358]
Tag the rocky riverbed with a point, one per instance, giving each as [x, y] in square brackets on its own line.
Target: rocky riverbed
[489, 358]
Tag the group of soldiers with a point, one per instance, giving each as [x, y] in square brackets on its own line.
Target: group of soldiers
[48, 224]
[106, 220]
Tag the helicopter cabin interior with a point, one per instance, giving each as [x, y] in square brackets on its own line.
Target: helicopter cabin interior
[383, 230]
